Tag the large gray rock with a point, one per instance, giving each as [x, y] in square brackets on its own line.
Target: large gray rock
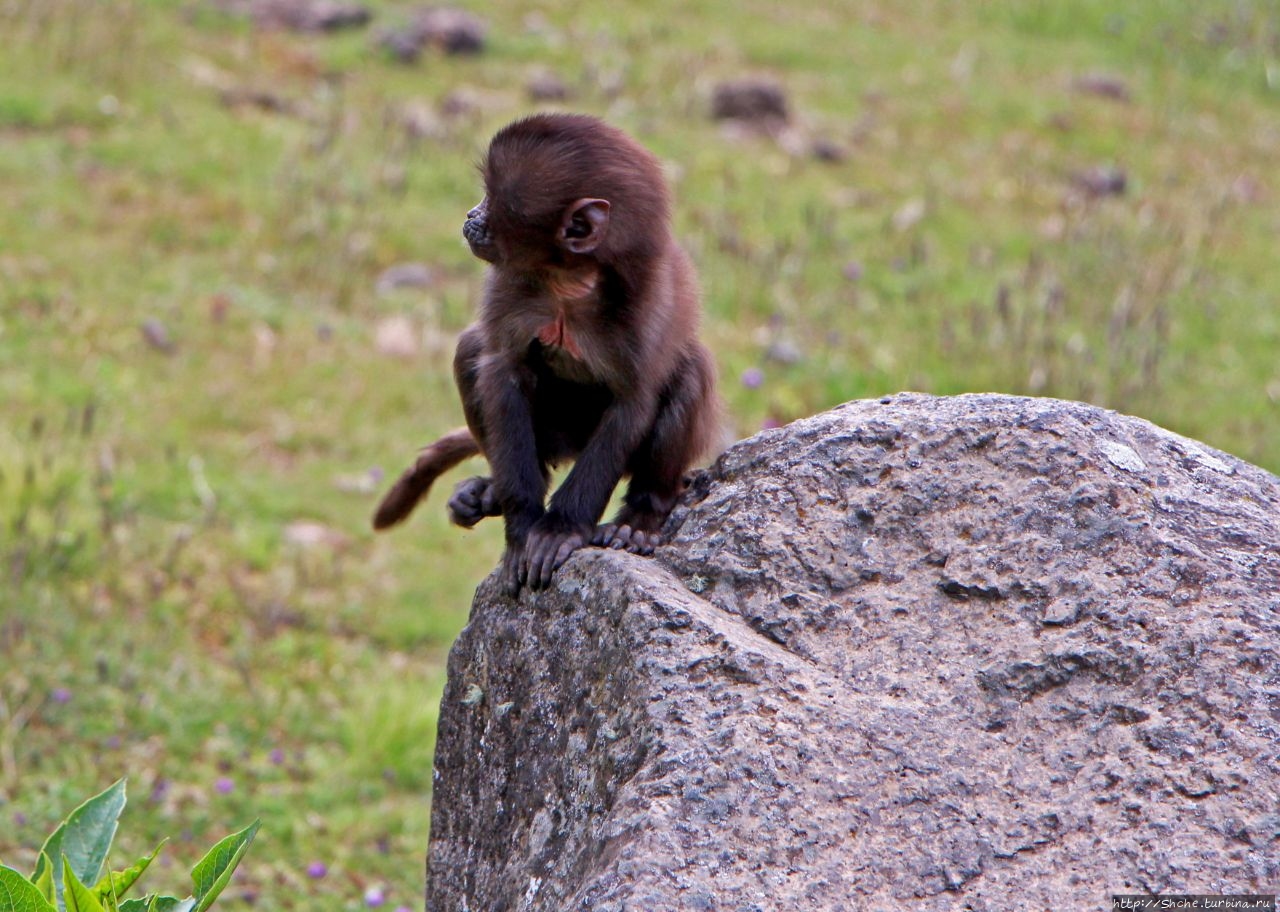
[980, 652]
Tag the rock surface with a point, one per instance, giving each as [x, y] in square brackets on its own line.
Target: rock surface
[300, 15]
[979, 652]
[750, 98]
[449, 29]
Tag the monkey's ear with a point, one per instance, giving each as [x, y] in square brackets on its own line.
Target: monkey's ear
[584, 225]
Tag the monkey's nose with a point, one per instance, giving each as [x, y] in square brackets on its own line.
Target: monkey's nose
[474, 213]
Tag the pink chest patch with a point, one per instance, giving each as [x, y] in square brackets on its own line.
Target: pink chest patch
[557, 333]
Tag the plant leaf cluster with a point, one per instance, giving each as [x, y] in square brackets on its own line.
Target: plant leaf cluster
[77, 854]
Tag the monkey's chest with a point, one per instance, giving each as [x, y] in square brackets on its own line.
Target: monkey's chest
[556, 335]
[564, 347]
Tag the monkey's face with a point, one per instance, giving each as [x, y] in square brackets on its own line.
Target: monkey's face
[478, 233]
[494, 241]
[563, 236]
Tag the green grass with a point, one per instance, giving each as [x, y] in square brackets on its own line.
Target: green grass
[156, 617]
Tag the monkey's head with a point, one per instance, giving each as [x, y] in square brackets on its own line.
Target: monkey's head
[561, 189]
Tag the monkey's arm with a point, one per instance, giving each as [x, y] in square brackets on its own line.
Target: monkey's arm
[576, 507]
[519, 480]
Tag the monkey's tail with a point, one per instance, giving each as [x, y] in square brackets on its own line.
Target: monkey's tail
[416, 480]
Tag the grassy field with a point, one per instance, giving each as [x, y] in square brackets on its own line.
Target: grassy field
[196, 390]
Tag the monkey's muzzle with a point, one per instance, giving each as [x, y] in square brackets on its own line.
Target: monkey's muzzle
[476, 230]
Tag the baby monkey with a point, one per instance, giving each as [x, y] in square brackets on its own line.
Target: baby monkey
[585, 348]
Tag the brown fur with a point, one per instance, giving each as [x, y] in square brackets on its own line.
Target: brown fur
[413, 485]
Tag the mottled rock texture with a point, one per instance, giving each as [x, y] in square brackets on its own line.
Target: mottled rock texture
[980, 653]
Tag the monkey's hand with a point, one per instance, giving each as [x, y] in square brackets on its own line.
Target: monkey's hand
[551, 540]
[472, 501]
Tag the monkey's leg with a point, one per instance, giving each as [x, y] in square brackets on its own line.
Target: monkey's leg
[475, 498]
[654, 488]
[575, 508]
[684, 426]
[466, 374]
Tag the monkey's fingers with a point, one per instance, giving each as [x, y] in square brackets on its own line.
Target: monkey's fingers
[472, 501]
[646, 542]
[536, 569]
[544, 554]
[604, 534]
[512, 572]
[624, 537]
[566, 548]
[464, 511]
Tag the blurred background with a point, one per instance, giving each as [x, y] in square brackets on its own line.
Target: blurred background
[231, 276]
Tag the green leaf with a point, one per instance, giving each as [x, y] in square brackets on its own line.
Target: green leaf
[79, 898]
[169, 904]
[153, 903]
[17, 894]
[44, 881]
[213, 871]
[116, 883]
[84, 837]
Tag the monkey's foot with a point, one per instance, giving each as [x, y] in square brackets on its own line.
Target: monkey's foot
[549, 545]
[625, 538]
[637, 532]
[472, 501]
